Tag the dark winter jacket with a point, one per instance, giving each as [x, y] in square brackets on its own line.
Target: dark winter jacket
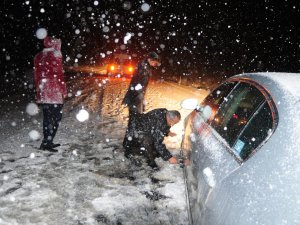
[153, 123]
[48, 73]
[139, 82]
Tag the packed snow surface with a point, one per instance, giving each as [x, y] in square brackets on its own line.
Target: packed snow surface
[88, 181]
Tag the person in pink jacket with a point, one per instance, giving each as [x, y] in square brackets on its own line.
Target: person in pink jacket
[50, 89]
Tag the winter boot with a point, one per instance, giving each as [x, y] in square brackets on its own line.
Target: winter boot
[49, 146]
[153, 164]
[133, 160]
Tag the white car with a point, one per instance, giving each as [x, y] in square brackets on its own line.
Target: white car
[243, 142]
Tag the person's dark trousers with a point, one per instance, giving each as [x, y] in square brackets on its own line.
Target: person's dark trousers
[136, 106]
[52, 115]
[150, 151]
[140, 107]
[133, 114]
[143, 145]
[135, 109]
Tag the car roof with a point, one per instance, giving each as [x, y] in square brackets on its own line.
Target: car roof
[280, 85]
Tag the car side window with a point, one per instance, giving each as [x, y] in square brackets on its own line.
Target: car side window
[217, 96]
[256, 131]
[236, 111]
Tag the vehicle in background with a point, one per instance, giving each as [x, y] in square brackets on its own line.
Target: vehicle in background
[243, 145]
[120, 65]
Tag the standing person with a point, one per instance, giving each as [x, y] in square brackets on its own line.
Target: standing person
[145, 135]
[50, 89]
[134, 97]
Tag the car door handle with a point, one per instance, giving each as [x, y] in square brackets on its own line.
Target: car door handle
[209, 177]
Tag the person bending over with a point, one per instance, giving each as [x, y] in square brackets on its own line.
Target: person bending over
[146, 132]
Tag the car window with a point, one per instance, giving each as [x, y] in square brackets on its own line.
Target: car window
[256, 131]
[236, 110]
[217, 96]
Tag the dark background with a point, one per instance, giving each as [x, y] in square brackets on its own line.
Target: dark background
[204, 40]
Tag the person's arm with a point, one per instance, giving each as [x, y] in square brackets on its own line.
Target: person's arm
[61, 79]
[143, 75]
[36, 74]
[160, 147]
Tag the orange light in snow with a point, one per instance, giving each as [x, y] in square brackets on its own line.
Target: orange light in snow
[112, 67]
[130, 69]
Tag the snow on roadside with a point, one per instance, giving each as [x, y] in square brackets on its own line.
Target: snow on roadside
[88, 181]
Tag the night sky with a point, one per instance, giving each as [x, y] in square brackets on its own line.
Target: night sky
[198, 38]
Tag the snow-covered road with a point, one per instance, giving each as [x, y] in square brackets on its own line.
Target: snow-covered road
[88, 181]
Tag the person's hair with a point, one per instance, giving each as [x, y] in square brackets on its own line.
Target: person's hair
[153, 56]
[172, 114]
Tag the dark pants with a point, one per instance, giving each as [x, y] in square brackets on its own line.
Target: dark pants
[52, 114]
[141, 145]
[136, 105]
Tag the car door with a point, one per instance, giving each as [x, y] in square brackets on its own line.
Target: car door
[228, 200]
[216, 147]
[198, 124]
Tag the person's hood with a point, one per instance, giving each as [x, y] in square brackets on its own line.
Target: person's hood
[50, 42]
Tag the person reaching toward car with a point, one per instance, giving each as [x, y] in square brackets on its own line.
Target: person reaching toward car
[145, 135]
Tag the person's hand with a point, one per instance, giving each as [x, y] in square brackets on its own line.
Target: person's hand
[173, 160]
[186, 162]
[172, 134]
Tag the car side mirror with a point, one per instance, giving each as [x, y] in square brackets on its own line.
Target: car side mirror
[206, 112]
[192, 103]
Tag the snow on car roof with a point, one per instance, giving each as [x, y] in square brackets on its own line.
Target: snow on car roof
[289, 82]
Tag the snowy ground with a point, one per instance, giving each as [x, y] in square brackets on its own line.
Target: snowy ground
[88, 181]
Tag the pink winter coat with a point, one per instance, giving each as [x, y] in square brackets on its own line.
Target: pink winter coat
[48, 73]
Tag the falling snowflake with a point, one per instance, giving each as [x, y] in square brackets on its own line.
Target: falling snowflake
[32, 109]
[145, 7]
[105, 29]
[78, 93]
[41, 33]
[34, 135]
[127, 38]
[82, 115]
[138, 87]
[32, 155]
